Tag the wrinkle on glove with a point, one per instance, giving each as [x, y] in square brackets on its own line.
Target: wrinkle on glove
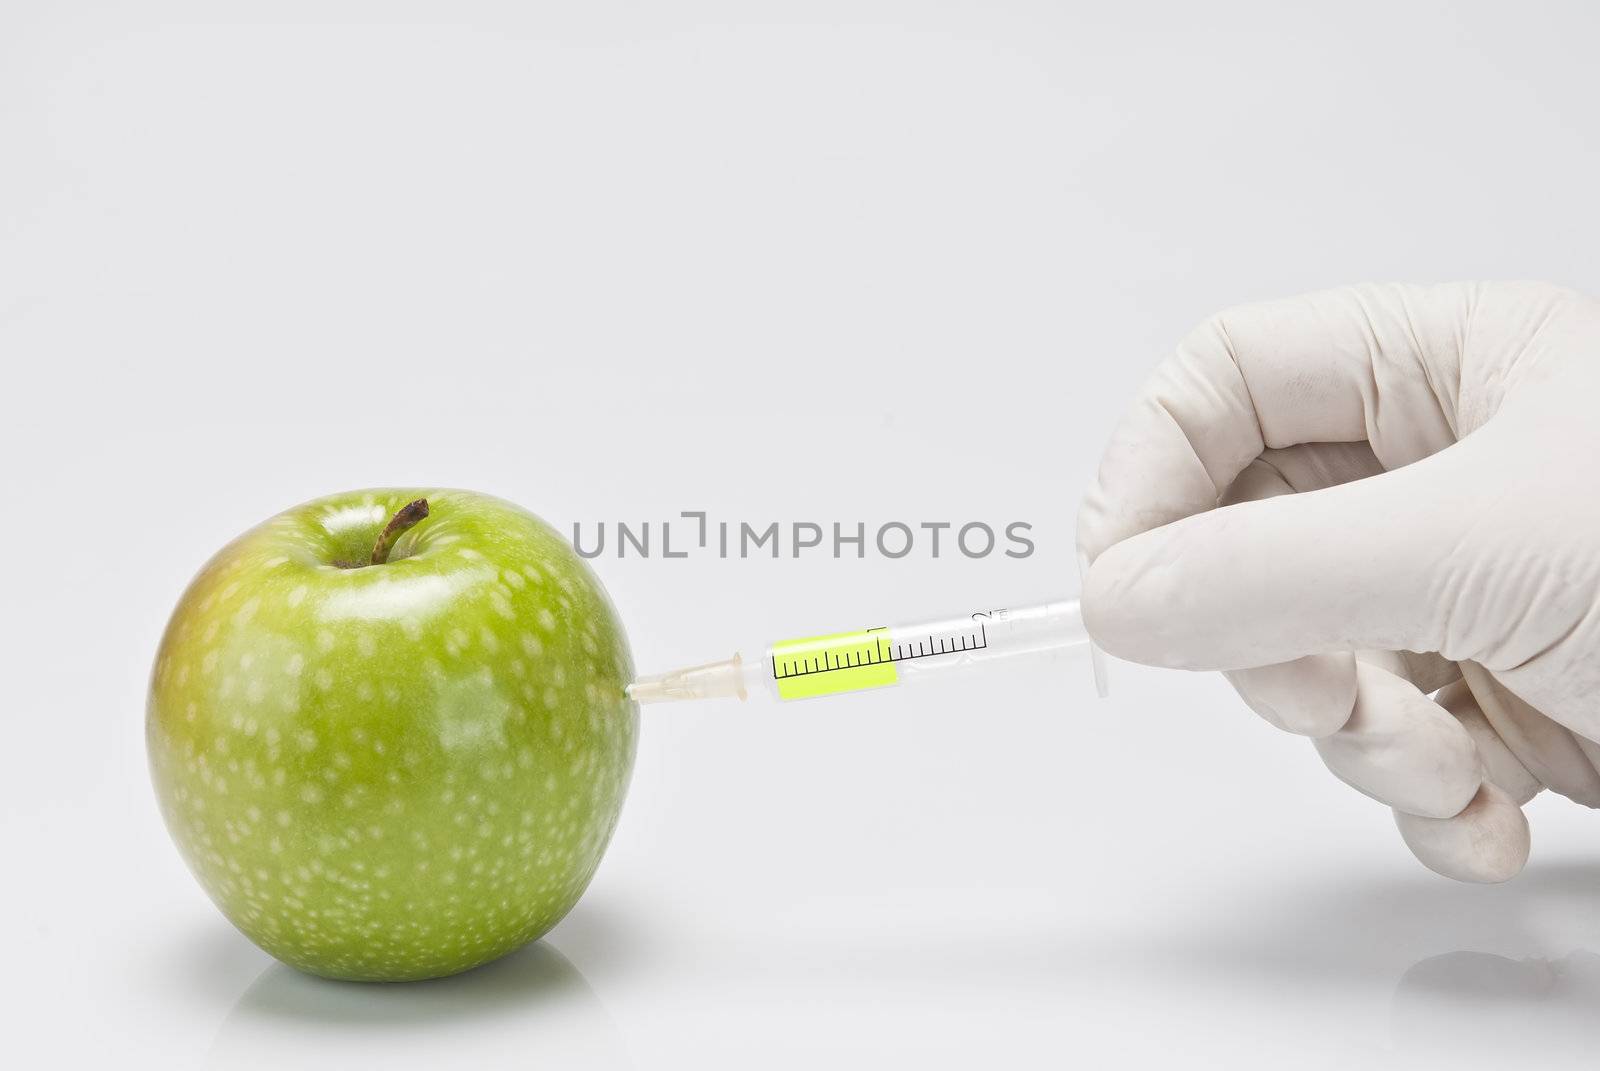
[1556, 757]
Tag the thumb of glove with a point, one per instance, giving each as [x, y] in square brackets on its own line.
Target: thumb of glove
[1353, 567]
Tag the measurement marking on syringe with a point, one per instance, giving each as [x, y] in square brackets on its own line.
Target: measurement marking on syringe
[869, 659]
[854, 653]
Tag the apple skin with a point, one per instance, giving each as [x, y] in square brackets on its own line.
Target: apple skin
[395, 771]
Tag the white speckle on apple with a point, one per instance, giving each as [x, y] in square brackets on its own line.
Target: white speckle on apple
[247, 611]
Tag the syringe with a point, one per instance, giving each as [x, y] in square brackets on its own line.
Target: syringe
[876, 657]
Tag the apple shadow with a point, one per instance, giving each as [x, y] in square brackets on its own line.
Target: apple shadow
[532, 1004]
[211, 958]
[534, 975]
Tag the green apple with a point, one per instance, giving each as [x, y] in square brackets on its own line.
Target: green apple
[392, 740]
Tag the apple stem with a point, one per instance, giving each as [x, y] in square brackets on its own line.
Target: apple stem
[398, 525]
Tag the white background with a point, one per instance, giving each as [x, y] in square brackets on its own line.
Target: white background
[778, 261]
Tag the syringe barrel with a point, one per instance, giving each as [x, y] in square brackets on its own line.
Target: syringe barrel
[990, 635]
[871, 658]
[1048, 626]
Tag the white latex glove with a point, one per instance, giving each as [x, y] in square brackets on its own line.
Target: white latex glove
[1312, 488]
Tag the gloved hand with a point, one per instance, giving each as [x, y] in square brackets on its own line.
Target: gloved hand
[1349, 500]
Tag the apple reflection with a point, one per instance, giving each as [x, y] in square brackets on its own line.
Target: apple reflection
[532, 1007]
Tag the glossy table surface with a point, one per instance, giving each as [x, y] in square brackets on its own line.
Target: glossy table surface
[959, 898]
[617, 261]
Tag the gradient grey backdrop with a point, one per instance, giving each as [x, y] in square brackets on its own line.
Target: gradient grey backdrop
[798, 260]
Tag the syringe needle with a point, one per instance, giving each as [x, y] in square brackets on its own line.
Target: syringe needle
[714, 680]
